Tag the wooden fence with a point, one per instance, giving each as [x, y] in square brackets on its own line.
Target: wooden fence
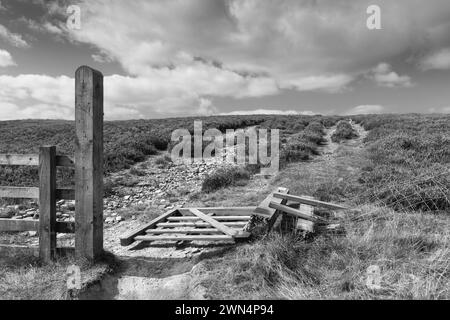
[88, 165]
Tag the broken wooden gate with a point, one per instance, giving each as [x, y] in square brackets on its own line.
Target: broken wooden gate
[194, 224]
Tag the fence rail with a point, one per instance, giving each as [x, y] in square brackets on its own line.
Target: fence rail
[11, 225]
[33, 193]
[88, 190]
[33, 160]
[47, 193]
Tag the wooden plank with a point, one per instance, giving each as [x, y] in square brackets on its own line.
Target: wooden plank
[216, 224]
[19, 192]
[128, 238]
[183, 231]
[218, 218]
[294, 212]
[65, 161]
[32, 160]
[186, 238]
[306, 200]
[263, 208]
[15, 225]
[222, 211]
[88, 163]
[33, 193]
[306, 225]
[198, 224]
[47, 203]
[65, 194]
[19, 159]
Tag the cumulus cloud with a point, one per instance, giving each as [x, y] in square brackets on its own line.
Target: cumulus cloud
[440, 110]
[439, 60]
[268, 111]
[383, 75]
[13, 39]
[331, 84]
[179, 55]
[40, 96]
[5, 59]
[309, 37]
[366, 109]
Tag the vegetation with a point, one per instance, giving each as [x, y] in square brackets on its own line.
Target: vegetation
[410, 157]
[411, 250]
[399, 181]
[303, 145]
[163, 161]
[225, 177]
[125, 142]
[344, 131]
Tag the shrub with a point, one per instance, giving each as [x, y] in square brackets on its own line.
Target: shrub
[225, 177]
[301, 146]
[163, 161]
[344, 131]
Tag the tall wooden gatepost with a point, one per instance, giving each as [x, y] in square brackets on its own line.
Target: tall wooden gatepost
[88, 163]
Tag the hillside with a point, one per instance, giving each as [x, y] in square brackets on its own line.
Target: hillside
[394, 169]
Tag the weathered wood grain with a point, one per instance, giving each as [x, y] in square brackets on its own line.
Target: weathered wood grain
[198, 224]
[216, 224]
[89, 163]
[19, 192]
[19, 159]
[129, 237]
[16, 225]
[263, 208]
[47, 203]
[218, 218]
[186, 238]
[184, 231]
[33, 160]
[306, 200]
[222, 211]
[294, 212]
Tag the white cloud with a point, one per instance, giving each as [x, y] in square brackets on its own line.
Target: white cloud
[383, 75]
[243, 48]
[40, 96]
[439, 60]
[440, 110]
[332, 84]
[268, 111]
[305, 37]
[366, 109]
[13, 39]
[5, 59]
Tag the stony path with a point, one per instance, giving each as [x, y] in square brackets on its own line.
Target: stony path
[169, 271]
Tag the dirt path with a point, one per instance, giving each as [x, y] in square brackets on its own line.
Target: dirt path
[169, 271]
[329, 173]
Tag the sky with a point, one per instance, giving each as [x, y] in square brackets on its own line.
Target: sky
[170, 58]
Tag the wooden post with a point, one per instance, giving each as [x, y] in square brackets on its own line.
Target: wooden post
[88, 163]
[47, 203]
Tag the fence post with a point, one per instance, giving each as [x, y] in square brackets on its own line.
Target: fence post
[47, 203]
[88, 163]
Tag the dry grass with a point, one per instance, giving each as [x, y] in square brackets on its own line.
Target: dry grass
[25, 278]
[411, 249]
